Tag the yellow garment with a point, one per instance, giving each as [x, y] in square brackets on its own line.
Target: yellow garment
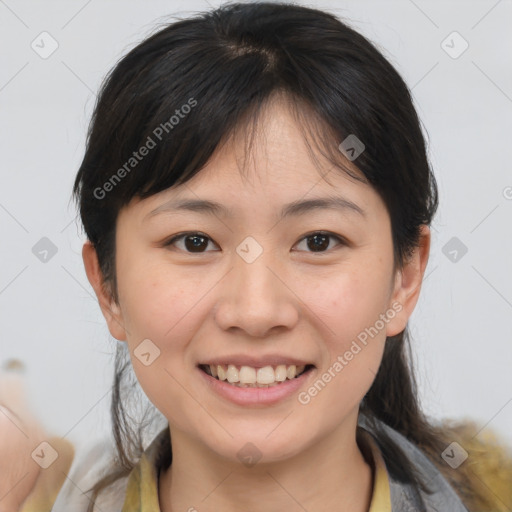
[142, 489]
[381, 497]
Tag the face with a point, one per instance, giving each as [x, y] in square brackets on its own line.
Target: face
[250, 282]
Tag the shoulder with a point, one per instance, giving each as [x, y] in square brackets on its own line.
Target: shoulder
[92, 462]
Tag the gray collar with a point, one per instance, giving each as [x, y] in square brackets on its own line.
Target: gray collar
[405, 497]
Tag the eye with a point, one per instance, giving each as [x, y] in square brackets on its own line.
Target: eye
[194, 242]
[319, 241]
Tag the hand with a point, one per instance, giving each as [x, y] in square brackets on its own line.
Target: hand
[20, 434]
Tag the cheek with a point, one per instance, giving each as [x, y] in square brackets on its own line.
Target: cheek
[347, 302]
[161, 308]
[352, 343]
[347, 308]
[156, 302]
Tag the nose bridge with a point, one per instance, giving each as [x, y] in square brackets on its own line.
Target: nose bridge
[256, 298]
[257, 278]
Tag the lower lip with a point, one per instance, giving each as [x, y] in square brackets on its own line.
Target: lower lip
[256, 396]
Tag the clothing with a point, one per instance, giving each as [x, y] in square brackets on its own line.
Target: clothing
[142, 489]
[138, 492]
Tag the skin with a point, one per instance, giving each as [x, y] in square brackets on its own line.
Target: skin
[291, 300]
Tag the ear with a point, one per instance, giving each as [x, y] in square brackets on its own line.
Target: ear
[408, 284]
[110, 309]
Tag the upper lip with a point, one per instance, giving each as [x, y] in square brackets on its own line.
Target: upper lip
[256, 362]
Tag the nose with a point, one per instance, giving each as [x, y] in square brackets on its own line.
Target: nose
[256, 298]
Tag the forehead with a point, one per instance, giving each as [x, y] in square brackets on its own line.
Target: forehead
[281, 145]
[283, 138]
[273, 159]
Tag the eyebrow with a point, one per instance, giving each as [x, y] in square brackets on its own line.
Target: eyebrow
[292, 209]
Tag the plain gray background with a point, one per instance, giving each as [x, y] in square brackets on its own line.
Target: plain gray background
[49, 318]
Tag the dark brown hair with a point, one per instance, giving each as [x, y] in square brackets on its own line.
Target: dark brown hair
[231, 61]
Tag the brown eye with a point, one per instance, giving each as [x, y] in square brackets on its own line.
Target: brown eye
[192, 242]
[320, 241]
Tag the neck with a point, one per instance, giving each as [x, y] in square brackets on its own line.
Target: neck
[329, 476]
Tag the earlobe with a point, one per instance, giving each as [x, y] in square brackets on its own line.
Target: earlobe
[408, 282]
[109, 307]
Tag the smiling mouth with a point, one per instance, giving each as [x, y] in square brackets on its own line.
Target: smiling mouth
[247, 377]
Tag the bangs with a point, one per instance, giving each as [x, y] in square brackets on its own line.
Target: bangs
[170, 146]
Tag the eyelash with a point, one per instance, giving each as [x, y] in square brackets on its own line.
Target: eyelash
[341, 240]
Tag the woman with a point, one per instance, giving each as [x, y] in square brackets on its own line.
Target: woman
[257, 199]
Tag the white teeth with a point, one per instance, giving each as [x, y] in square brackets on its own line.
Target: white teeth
[265, 375]
[280, 373]
[232, 373]
[221, 373]
[248, 376]
[291, 371]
